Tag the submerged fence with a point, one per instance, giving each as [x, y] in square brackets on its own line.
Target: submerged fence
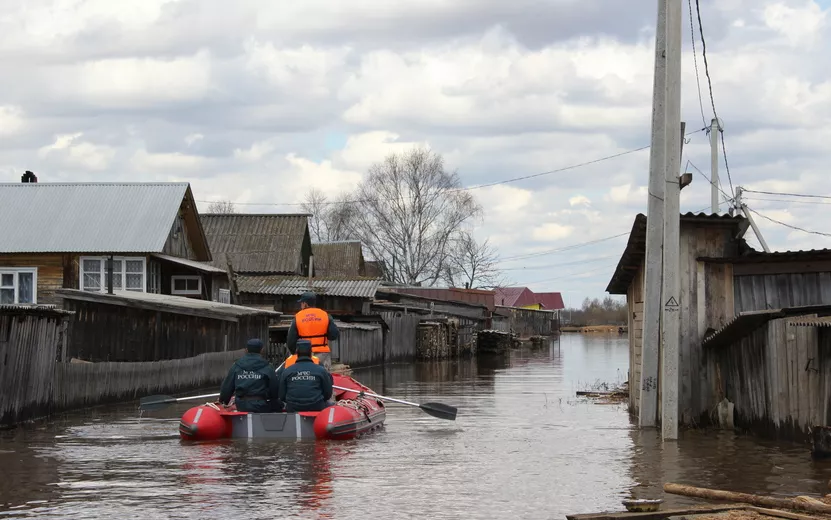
[36, 379]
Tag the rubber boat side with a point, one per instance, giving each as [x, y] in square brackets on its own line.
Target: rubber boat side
[352, 415]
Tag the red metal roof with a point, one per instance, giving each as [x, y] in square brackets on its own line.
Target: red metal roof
[477, 296]
[551, 301]
[514, 296]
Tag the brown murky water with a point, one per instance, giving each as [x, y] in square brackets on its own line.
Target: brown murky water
[522, 447]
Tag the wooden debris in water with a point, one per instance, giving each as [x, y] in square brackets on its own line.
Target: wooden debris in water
[797, 504]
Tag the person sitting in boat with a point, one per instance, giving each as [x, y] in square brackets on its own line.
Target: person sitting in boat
[292, 359]
[252, 382]
[315, 325]
[305, 386]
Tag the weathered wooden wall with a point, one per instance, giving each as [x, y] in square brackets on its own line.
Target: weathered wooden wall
[287, 304]
[102, 332]
[78, 385]
[501, 323]
[761, 290]
[400, 341]
[528, 322]
[178, 242]
[50, 272]
[359, 345]
[634, 300]
[778, 378]
[31, 342]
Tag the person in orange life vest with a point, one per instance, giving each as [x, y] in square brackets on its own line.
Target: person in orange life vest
[315, 325]
[292, 359]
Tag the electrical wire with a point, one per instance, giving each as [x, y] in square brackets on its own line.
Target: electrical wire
[469, 188]
[560, 249]
[789, 201]
[571, 275]
[727, 198]
[695, 62]
[788, 194]
[710, 85]
[549, 266]
[820, 233]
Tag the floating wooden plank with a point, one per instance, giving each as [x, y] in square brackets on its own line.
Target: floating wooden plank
[746, 498]
[656, 515]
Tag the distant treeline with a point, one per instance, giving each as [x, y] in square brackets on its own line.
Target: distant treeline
[607, 311]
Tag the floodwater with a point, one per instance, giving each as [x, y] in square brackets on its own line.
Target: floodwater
[523, 446]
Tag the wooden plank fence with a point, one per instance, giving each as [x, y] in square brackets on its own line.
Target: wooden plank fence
[400, 343]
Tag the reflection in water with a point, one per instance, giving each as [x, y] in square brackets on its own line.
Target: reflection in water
[522, 447]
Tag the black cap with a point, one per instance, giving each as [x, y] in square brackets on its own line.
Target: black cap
[307, 297]
[303, 348]
[254, 345]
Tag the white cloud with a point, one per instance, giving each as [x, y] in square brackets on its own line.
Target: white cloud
[11, 120]
[70, 151]
[579, 200]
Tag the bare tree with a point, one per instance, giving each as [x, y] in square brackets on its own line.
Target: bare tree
[330, 220]
[471, 264]
[406, 212]
[222, 206]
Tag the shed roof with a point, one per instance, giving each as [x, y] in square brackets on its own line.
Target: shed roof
[746, 322]
[258, 243]
[338, 258]
[165, 303]
[110, 217]
[753, 256]
[635, 251]
[277, 285]
[199, 266]
[451, 294]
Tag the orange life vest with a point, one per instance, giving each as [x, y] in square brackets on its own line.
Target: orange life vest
[293, 359]
[313, 325]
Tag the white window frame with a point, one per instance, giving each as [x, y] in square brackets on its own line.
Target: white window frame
[121, 273]
[197, 292]
[16, 271]
[224, 296]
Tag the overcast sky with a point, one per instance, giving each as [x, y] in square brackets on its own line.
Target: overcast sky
[256, 101]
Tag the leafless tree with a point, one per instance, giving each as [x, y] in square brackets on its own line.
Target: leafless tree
[222, 206]
[330, 220]
[406, 212]
[472, 264]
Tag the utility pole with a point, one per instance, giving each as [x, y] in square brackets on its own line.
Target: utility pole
[741, 207]
[650, 353]
[671, 284]
[715, 128]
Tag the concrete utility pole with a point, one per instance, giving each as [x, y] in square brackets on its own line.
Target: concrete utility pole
[648, 403]
[741, 207]
[671, 286]
[714, 130]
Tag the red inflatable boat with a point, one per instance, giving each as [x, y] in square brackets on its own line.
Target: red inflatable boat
[353, 414]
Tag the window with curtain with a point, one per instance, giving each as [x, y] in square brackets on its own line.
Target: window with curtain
[18, 286]
[128, 274]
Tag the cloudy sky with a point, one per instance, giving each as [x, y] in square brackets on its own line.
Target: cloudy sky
[260, 101]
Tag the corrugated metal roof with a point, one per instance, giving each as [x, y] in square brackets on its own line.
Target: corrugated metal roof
[270, 243]
[760, 257]
[812, 322]
[746, 322]
[514, 296]
[37, 310]
[551, 301]
[88, 217]
[199, 266]
[296, 285]
[452, 294]
[635, 251]
[338, 259]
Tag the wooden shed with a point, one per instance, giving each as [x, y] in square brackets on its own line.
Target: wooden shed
[128, 326]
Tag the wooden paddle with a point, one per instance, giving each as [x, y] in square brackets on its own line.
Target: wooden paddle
[153, 403]
[439, 410]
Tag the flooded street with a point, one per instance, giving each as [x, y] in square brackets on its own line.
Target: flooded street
[522, 447]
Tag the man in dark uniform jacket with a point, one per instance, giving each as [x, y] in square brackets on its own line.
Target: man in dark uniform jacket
[305, 386]
[252, 381]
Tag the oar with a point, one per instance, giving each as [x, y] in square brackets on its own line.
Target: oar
[157, 402]
[442, 411]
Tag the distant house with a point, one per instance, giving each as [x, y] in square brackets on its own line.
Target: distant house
[516, 297]
[61, 235]
[550, 301]
[338, 259]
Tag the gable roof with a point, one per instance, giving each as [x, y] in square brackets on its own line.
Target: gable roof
[122, 217]
[514, 296]
[296, 285]
[338, 258]
[551, 301]
[635, 252]
[258, 243]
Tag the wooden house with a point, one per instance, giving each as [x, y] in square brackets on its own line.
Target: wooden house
[61, 235]
[339, 259]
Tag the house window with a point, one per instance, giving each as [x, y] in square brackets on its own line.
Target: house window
[18, 285]
[224, 296]
[128, 273]
[186, 285]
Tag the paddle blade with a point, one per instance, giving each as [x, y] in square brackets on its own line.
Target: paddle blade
[155, 402]
[442, 411]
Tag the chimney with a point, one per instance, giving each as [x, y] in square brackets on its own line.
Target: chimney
[28, 177]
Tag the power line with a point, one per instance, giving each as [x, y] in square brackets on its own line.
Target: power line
[470, 188]
[789, 225]
[789, 201]
[549, 266]
[572, 275]
[710, 85]
[561, 249]
[727, 198]
[788, 194]
[695, 62]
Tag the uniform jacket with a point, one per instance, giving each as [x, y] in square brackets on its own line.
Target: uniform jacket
[305, 383]
[332, 333]
[251, 375]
